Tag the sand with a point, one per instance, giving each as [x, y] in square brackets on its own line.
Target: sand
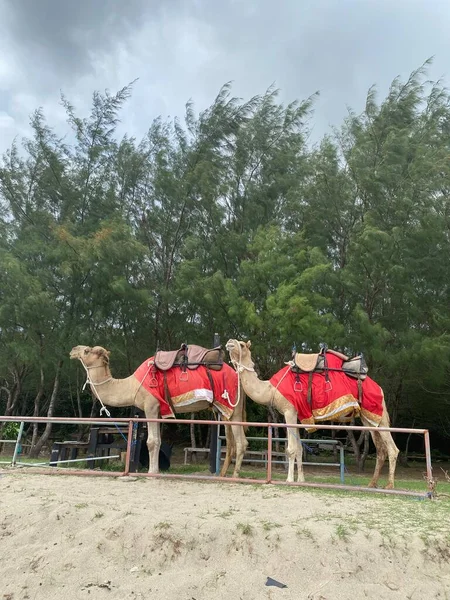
[73, 537]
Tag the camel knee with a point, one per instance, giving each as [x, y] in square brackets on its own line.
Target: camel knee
[241, 446]
[153, 446]
[291, 453]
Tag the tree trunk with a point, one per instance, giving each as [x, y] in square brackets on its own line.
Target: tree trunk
[35, 450]
[37, 402]
[12, 394]
[365, 452]
[404, 455]
[360, 456]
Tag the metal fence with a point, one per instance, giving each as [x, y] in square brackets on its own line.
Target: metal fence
[130, 422]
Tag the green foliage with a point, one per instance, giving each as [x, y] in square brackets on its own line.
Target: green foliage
[10, 431]
[229, 222]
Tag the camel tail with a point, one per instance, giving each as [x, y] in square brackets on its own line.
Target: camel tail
[386, 420]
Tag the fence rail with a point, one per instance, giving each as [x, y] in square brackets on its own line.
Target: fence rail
[130, 421]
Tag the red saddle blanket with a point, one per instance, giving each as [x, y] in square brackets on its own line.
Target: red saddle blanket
[190, 386]
[335, 400]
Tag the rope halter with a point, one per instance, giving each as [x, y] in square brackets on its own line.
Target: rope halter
[94, 384]
[238, 365]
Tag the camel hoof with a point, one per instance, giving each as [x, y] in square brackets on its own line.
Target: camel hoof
[389, 486]
[300, 479]
[372, 484]
[290, 480]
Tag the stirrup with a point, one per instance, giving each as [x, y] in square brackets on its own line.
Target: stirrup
[184, 376]
[328, 383]
[153, 382]
[298, 386]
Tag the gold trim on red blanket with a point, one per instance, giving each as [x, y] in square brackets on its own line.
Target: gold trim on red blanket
[345, 406]
[371, 417]
[309, 421]
[193, 396]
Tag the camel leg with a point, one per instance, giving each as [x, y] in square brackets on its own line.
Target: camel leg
[299, 456]
[153, 439]
[236, 440]
[392, 452]
[294, 448]
[241, 444]
[230, 451]
[381, 457]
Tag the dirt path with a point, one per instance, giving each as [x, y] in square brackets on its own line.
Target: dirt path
[94, 538]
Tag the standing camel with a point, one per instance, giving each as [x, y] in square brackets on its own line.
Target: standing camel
[134, 391]
[263, 392]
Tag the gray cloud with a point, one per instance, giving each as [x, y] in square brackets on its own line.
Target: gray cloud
[183, 49]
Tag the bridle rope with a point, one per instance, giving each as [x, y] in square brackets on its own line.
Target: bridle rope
[239, 367]
[93, 386]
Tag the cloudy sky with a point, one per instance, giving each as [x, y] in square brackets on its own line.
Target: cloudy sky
[182, 49]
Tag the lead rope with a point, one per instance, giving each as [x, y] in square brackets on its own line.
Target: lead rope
[93, 386]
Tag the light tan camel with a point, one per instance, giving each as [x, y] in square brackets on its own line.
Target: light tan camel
[263, 392]
[130, 392]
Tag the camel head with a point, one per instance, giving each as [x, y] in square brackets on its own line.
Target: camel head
[90, 357]
[239, 352]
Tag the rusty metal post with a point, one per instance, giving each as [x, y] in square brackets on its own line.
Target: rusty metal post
[129, 442]
[214, 460]
[426, 437]
[269, 454]
[17, 446]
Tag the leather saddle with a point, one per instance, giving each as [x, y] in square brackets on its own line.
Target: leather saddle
[316, 363]
[191, 357]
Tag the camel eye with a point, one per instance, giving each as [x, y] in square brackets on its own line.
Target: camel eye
[86, 351]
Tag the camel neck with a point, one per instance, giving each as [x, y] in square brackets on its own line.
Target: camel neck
[99, 374]
[112, 392]
[258, 390]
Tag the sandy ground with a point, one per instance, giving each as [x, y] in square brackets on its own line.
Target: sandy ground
[69, 537]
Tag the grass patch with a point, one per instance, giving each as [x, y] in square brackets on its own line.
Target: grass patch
[226, 513]
[163, 525]
[268, 525]
[245, 528]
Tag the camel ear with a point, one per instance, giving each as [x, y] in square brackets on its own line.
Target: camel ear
[103, 353]
[248, 344]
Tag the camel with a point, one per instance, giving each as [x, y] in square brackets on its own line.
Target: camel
[131, 392]
[263, 392]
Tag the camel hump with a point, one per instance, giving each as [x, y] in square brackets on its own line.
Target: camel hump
[191, 356]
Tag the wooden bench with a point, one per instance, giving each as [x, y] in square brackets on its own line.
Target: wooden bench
[256, 454]
[65, 450]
